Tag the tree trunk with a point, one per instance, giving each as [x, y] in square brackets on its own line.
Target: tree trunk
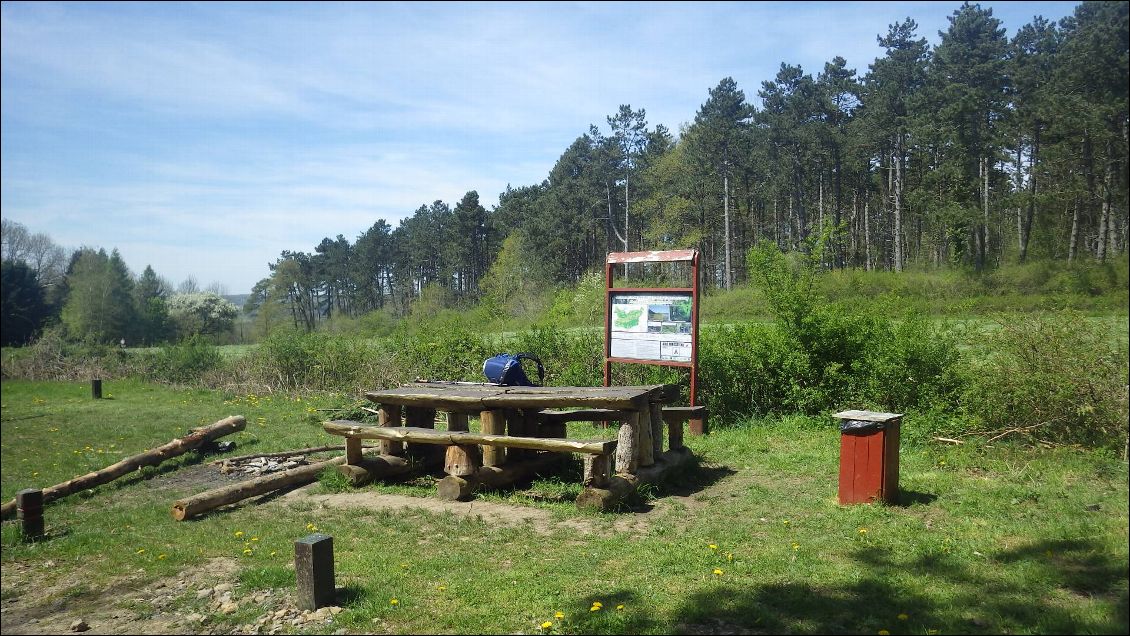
[192, 441]
[726, 216]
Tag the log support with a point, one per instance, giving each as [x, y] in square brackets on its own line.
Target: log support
[461, 487]
[621, 486]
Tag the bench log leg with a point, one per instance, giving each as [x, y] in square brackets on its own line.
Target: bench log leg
[493, 423]
[389, 415]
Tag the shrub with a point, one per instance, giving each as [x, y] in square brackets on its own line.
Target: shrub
[187, 361]
[1053, 377]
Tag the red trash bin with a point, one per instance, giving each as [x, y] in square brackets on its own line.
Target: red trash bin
[869, 456]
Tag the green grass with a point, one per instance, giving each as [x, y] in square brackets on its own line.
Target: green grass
[984, 540]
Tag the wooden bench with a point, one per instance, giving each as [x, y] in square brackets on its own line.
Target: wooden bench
[463, 460]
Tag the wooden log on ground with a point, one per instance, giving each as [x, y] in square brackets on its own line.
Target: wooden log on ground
[152, 457]
[212, 499]
[598, 471]
[376, 467]
[620, 486]
[460, 488]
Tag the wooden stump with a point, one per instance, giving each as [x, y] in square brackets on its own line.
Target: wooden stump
[462, 460]
[657, 426]
[598, 471]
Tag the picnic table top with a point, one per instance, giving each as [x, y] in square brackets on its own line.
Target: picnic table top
[464, 396]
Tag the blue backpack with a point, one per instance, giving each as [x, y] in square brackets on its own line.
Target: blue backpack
[505, 369]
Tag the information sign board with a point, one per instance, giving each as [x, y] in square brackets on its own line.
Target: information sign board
[650, 326]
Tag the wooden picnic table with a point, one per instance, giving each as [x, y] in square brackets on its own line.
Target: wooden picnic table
[520, 430]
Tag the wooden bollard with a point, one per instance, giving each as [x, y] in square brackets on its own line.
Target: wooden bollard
[96, 389]
[29, 510]
[314, 571]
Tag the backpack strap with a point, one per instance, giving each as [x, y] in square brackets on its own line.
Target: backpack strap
[530, 356]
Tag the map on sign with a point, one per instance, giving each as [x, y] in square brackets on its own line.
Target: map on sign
[628, 318]
[651, 326]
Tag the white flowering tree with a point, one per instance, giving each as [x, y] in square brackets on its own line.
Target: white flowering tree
[201, 313]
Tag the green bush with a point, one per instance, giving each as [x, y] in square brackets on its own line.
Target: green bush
[185, 362]
[1058, 378]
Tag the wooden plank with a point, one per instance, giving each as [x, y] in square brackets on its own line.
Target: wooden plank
[867, 416]
[891, 461]
[847, 469]
[584, 415]
[471, 398]
[347, 428]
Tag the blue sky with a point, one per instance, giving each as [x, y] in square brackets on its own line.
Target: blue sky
[204, 139]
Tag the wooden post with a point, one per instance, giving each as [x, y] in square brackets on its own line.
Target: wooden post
[419, 417]
[657, 426]
[645, 450]
[516, 427]
[462, 460]
[627, 454]
[314, 570]
[389, 415]
[493, 423]
[96, 389]
[353, 451]
[457, 422]
[29, 510]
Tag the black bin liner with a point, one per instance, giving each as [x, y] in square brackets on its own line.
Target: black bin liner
[858, 427]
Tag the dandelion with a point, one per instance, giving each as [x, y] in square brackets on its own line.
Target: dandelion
[718, 572]
[441, 588]
[254, 538]
[796, 546]
[559, 615]
[546, 625]
[713, 547]
[729, 557]
[394, 602]
[311, 527]
[863, 531]
[161, 556]
[620, 606]
[596, 606]
[404, 565]
[247, 551]
[903, 617]
[273, 553]
[238, 533]
[141, 551]
[785, 522]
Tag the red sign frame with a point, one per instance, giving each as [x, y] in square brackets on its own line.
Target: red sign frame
[666, 256]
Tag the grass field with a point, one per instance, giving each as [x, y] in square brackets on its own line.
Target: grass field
[985, 539]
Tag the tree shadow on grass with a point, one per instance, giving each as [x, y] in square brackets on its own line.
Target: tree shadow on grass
[1011, 596]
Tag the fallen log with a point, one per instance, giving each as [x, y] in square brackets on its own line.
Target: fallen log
[195, 439]
[210, 499]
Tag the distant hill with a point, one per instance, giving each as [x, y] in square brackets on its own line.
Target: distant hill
[237, 299]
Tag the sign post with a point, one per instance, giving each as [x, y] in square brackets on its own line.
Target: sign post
[653, 325]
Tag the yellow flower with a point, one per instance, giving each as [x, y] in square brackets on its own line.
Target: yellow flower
[441, 588]
[141, 551]
[247, 551]
[903, 617]
[559, 615]
[254, 538]
[274, 553]
[713, 547]
[796, 546]
[718, 572]
[546, 625]
[786, 522]
[883, 632]
[161, 556]
[729, 556]
[394, 602]
[863, 531]
[620, 607]
[238, 533]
